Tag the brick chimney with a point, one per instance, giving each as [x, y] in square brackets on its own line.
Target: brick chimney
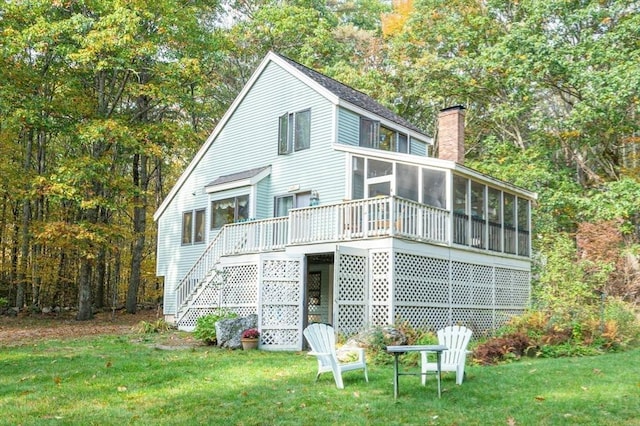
[451, 134]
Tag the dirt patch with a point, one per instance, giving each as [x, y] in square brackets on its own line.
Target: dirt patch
[27, 328]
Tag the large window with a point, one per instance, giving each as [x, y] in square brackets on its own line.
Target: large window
[193, 230]
[374, 135]
[294, 132]
[229, 210]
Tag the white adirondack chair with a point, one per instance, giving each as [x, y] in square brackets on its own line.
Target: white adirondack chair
[456, 339]
[322, 339]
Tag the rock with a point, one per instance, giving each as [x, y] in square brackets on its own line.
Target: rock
[229, 331]
[390, 336]
[46, 310]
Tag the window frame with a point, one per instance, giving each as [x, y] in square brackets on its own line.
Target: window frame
[191, 236]
[294, 131]
[236, 216]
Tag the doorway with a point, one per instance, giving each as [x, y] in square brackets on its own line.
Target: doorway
[319, 289]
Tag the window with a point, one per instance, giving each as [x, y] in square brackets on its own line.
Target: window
[229, 210]
[294, 132]
[193, 231]
[407, 183]
[374, 135]
[433, 188]
[187, 225]
[284, 203]
[369, 133]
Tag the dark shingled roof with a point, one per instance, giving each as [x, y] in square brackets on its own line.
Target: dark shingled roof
[247, 174]
[352, 96]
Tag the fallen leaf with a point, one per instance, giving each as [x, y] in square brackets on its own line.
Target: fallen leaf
[539, 398]
[356, 394]
[57, 380]
[584, 388]
[108, 364]
[122, 388]
[511, 421]
[597, 371]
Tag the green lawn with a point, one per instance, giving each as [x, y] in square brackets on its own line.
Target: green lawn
[125, 380]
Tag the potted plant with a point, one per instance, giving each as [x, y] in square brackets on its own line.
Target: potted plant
[250, 338]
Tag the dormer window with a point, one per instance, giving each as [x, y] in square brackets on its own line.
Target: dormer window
[374, 135]
[294, 132]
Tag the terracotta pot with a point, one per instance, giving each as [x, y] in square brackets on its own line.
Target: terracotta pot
[248, 344]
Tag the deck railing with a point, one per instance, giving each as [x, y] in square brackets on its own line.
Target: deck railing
[374, 217]
[349, 220]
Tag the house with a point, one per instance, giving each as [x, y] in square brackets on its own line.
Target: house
[311, 202]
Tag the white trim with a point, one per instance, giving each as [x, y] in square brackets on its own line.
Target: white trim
[437, 163]
[210, 189]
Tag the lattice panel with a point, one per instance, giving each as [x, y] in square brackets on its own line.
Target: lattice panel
[281, 292]
[210, 296]
[279, 337]
[280, 315]
[379, 315]
[479, 320]
[423, 316]
[240, 285]
[512, 287]
[421, 279]
[380, 284]
[351, 318]
[352, 277]
[280, 269]
[190, 318]
[521, 287]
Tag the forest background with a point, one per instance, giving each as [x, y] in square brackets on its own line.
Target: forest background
[104, 102]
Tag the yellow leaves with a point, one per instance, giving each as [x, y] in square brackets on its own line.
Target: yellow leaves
[393, 23]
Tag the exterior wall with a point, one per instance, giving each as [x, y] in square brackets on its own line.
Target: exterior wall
[348, 127]
[250, 140]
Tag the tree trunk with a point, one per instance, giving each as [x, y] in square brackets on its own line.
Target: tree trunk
[139, 228]
[84, 290]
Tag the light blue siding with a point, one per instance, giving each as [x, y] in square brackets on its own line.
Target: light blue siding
[418, 148]
[348, 127]
[250, 140]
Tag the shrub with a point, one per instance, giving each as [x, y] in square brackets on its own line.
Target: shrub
[149, 327]
[206, 325]
[506, 348]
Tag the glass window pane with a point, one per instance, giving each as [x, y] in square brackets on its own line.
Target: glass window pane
[407, 184]
[403, 145]
[379, 189]
[509, 219]
[460, 210]
[478, 214]
[303, 130]
[283, 145]
[433, 188]
[378, 168]
[357, 178]
[523, 227]
[222, 212]
[187, 226]
[199, 229]
[387, 139]
[242, 212]
[494, 208]
[368, 133]
[283, 205]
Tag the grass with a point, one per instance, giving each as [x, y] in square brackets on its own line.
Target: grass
[125, 380]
